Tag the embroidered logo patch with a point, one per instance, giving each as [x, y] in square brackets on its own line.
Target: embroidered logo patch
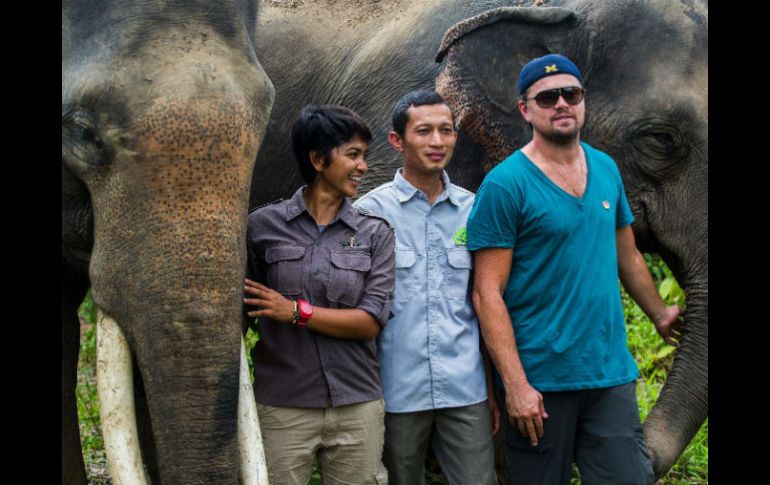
[461, 237]
[551, 68]
[606, 204]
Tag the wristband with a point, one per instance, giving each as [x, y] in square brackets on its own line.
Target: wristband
[305, 312]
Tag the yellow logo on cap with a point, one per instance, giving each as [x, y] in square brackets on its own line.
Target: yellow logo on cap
[551, 68]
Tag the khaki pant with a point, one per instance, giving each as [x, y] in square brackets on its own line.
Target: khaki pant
[345, 441]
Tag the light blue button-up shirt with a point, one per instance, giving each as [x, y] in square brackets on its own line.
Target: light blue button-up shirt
[429, 351]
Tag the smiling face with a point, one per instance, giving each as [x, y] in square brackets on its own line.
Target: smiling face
[429, 139]
[347, 165]
[560, 123]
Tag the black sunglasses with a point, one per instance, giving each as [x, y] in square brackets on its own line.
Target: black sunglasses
[548, 98]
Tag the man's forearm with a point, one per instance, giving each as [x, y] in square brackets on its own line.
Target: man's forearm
[499, 337]
[637, 281]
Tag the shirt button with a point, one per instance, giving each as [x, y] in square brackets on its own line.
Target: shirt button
[316, 271]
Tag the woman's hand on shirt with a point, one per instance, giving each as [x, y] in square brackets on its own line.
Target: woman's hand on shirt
[343, 323]
[271, 303]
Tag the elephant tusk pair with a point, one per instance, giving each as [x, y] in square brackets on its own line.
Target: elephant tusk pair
[118, 413]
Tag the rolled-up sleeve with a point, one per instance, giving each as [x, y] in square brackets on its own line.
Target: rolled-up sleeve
[377, 298]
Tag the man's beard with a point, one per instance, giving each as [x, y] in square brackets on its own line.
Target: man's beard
[562, 138]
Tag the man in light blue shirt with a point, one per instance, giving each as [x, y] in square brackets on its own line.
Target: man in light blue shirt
[431, 365]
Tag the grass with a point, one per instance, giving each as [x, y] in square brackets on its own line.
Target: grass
[653, 357]
[88, 399]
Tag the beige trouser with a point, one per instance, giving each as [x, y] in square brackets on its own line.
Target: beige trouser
[346, 443]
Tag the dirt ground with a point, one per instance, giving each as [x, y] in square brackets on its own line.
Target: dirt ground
[359, 10]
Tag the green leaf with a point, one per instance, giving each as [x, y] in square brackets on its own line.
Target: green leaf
[664, 352]
[665, 287]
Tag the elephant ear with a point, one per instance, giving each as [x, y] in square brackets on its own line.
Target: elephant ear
[527, 15]
[490, 48]
[483, 56]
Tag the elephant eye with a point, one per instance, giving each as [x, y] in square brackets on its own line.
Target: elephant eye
[662, 146]
[81, 142]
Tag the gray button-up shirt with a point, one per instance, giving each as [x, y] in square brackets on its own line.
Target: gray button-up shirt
[429, 353]
[351, 264]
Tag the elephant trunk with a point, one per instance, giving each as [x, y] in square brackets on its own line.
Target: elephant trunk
[187, 441]
[192, 396]
[682, 406]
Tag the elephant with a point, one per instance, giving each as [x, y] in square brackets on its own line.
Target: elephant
[164, 107]
[645, 66]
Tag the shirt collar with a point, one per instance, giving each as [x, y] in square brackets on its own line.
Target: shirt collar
[347, 214]
[406, 191]
[297, 206]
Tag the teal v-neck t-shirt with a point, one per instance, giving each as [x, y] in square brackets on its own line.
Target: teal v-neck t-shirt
[563, 292]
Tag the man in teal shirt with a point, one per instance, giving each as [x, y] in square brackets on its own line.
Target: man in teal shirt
[550, 230]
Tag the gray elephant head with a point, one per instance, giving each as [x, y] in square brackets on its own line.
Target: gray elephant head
[164, 106]
[645, 66]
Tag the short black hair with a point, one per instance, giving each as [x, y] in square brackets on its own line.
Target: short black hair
[321, 128]
[420, 97]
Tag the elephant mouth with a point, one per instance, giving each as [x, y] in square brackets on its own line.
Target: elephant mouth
[118, 412]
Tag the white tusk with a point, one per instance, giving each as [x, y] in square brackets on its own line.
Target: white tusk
[252, 469]
[115, 383]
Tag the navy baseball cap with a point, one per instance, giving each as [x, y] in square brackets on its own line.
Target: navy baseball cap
[546, 66]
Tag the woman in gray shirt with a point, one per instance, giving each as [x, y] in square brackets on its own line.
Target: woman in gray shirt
[320, 280]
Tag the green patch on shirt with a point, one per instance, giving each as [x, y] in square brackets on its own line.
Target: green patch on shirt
[461, 237]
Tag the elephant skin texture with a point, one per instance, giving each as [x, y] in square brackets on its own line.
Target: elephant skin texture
[164, 107]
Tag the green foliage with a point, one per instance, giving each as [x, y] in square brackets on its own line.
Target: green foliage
[89, 420]
[88, 401]
[250, 340]
[315, 478]
[87, 310]
[654, 265]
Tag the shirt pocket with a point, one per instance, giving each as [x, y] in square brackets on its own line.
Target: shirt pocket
[284, 269]
[407, 284]
[347, 277]
[457, 272]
